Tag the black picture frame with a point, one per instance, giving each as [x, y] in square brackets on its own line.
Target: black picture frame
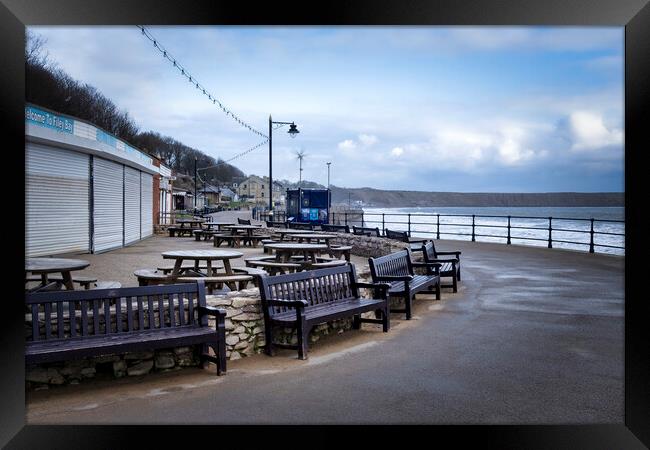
[633, 14]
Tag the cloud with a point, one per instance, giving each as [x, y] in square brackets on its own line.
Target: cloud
[368, 140]
[347, 145]
[589, 132]
[397, 152]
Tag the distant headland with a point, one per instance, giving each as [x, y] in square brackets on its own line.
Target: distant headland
[396, 199]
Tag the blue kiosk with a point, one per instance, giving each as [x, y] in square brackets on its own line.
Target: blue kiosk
[308, 205]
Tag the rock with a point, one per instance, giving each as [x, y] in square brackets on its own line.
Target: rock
[140, 369]
[73, 381]
[88, 372]
[240, 302]
[234, 356]
[54, 376]
[232, 339]
[164, 361]
[37, 375]
[182, 350]
[139, 355]
[186, 361]
[119, 368]
[239, 329]
[106, 359]
[220, 302]
[247, 316]
[240, 345]
[258, 330]
[41, 387]
[229, 325]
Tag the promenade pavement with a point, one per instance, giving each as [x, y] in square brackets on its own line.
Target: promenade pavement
[534, 336]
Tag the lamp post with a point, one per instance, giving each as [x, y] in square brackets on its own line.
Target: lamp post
[293, 130]
[328, 175]
[195, 161]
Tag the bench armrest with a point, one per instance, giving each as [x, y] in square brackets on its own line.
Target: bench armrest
[211, 311]
[381, 287]
[430, 265]
[288, 303]
[449, 253]
[394, 278]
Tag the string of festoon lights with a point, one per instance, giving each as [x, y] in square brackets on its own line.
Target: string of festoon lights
[193, 80]
[214, 100]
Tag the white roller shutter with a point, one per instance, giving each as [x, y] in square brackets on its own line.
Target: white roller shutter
[131, 205]
[146, 213]
[56, 201]
[107, 204]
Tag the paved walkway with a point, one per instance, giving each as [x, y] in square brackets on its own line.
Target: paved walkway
[533, 336]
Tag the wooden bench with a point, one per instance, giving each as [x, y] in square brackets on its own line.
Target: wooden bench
[273, 267]
[335, 228]
[142, 319]
[234, 282]
[365, 231]
[275, 224]
[300, 225]
[107, 285]
[324, 264]
[185, 267]
[449, 267]
[403, 236]
[243, 221]
[335, 251]
[178, 231]
[206, 234]
[82, 281]
[397, 269]
[237, 240]
[304, 299]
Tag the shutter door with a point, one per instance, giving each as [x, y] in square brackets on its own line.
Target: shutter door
[146, 214]
[131, 205]
[107, 204]
[56, 201]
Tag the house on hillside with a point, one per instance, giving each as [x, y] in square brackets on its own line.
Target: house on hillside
[255, 189]
[227, 195]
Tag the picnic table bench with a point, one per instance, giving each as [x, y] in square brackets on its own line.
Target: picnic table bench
[335, 251]
[85, 282]
[301, 225]
[304, 299]
[335, 228]
[276, 224]
[181, 231]
[148, 277]
[237, 240]
[365, 231]
[397, 269]
[140, 319]
[205, 234]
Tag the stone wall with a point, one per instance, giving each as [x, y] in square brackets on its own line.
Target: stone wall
[244, 331]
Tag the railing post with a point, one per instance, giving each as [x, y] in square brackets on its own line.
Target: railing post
[438, 227]
[362, 221]
[591, 240]
[550, 233]
[383, 223]
[508, 230]
[346, 217]
[409, 224]
[473, 224]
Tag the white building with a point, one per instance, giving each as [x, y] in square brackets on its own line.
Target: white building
[85, 190]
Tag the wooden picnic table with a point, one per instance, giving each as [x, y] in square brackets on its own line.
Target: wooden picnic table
[311, 237]
[45, 266]
[219, 225]
[282, 233]
[202, 255]
[284, 250]
[248, 229]
[191, 222]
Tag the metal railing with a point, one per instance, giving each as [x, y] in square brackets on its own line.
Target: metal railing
[437, 228]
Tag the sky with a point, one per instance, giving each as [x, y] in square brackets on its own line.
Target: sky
[428, 108]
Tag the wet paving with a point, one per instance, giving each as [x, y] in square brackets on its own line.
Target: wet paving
[533, 336]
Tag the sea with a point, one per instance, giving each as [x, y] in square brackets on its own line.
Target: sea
[529, 225]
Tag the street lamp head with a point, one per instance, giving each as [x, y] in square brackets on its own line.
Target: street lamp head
[293, 130]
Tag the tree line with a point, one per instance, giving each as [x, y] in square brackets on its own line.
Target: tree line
[51, 87]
